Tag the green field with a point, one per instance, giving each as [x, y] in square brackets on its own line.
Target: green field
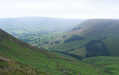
[109, 65]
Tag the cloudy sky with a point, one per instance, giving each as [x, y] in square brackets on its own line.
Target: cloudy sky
[60, 8]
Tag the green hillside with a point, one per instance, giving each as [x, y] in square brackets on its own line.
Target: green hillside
[107, 64]
[95, 37]
[101, 37]
[37, 61]
[10, 67]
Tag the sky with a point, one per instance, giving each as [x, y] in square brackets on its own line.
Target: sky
[60, 8]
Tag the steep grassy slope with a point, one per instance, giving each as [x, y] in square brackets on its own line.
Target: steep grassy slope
[44, 63]
[100, 35]
[107, 64]
[10, 67]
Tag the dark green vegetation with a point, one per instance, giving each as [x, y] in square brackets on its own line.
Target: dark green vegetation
[27, 60]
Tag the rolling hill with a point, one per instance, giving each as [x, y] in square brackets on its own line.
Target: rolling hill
[94, 37]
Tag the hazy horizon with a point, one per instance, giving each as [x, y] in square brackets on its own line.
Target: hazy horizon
[69, 9]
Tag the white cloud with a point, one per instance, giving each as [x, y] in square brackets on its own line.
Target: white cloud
[60, 8]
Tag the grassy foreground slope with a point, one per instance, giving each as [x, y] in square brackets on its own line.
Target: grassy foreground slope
[10, 67]
[42, 62]
[107, 64]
